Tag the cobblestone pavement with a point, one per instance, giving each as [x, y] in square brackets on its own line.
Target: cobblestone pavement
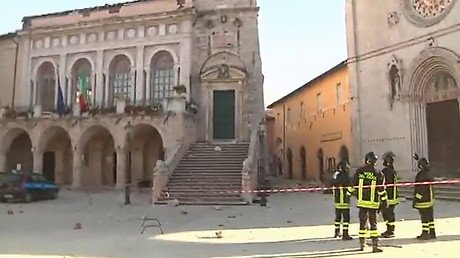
[294, 225]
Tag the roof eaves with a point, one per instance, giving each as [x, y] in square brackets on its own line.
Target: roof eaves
[310, 83]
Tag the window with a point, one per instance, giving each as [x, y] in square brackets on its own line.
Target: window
[120, 78]
[162, 77]
[302, 110]
[338, 91]
[319, 103]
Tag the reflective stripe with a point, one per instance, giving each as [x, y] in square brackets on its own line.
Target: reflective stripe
[393, 201]
[375, 233]
[368, 204]
[342, 206]
[418, 196]
[360, 190]
[373, 183]
[391, 223]
[423, 205]
[431, 225]
[363, 233]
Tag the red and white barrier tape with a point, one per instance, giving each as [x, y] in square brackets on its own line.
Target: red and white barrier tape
[315, 189]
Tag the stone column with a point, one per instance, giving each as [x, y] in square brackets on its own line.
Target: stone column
[107, 100]
[147, 86]
[121, 168]
[3, 161]
[38, 161]
[77, 168]
[100, 87]
[140, 75]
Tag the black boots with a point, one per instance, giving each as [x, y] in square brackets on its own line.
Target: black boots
[346, 236]
[432, 234]
[390, 233]
[424, 236]
[337, 233]
[362, 242]
[375, 246]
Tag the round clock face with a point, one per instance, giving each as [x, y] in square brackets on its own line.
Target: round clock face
[428, 12]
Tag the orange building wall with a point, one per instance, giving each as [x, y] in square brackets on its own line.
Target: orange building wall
[327, 130]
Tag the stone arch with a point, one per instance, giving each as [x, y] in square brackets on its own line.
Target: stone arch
[76, 58]
[145, 146]
[55, 150]
[120, 78]
[164, 49]
[82, 82]
[46, 78]
[432, 63]
[99, 159]
[17, 146]
[223, 58]
[162, 76]
[112, 56]
[42, 61]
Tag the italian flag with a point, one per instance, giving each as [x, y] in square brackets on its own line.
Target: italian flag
[82, 94]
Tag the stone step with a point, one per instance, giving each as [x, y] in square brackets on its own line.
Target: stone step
[200, 185]
[210, 164]
[207, 203]
[198, 195]
[194, 181]
[211, 161]
[204, 173]
[203, 199]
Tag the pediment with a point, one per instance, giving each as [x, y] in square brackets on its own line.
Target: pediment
[223, 73]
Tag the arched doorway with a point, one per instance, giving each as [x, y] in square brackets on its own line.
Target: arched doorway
[303, 162]
[99, 158]
[162, 76]
[46, 86]
[17, 145]
[56, 150]
[320, 156]
[443, 125]
[81, 92]
[120, 84]
[145, 148]
[290, 168]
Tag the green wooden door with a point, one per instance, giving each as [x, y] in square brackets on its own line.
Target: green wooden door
[224, 115]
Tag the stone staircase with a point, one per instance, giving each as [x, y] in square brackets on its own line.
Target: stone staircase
[442, 192]
[204, 173]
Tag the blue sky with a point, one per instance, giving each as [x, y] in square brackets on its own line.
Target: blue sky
[300, 39]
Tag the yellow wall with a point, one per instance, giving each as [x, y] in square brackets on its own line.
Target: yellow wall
[7, 57]
[328, 129]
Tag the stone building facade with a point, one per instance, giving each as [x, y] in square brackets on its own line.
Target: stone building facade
[404, 61]
[309, 131]
[155, 75]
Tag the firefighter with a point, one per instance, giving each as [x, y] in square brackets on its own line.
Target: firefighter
[341, 182]
[424, 199]
[368, 182]
[391, 177]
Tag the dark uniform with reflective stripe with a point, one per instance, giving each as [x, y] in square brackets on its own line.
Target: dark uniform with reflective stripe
[424, 201]
[369, 197]
[391, 178]
[341, 182]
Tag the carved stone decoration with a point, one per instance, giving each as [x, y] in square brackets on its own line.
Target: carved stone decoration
[92, 37]
[395, 76]
[111, 35]
[393, 19]
[172, 29]
[238, 23]
[223, 18]
[426, 13]
[74, 40]
[131, 33]
[56, 42]
[210, 24]
[223, 72]
[39, 44]
[152, 31]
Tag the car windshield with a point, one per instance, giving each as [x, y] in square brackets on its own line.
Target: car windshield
[38, 177]
[9, 178]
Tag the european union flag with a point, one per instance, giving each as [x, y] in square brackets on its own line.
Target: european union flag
[61, 107]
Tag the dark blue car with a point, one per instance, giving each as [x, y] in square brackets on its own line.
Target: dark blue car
[26, 187]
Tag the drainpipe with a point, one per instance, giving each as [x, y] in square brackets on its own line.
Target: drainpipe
[15, 72]
[284, 139]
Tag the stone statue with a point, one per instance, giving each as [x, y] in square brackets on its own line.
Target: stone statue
[223, 72]
[395, 83]
[161, 167]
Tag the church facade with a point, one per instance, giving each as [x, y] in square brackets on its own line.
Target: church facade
[404, 63]
[87, 93]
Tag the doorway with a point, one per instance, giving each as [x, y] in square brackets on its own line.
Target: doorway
[49, 165]
[224, 115]
[303, 162]
[443, 130]
[321, 165]
[290, 169]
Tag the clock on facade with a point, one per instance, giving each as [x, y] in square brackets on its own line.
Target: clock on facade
[425, 13]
